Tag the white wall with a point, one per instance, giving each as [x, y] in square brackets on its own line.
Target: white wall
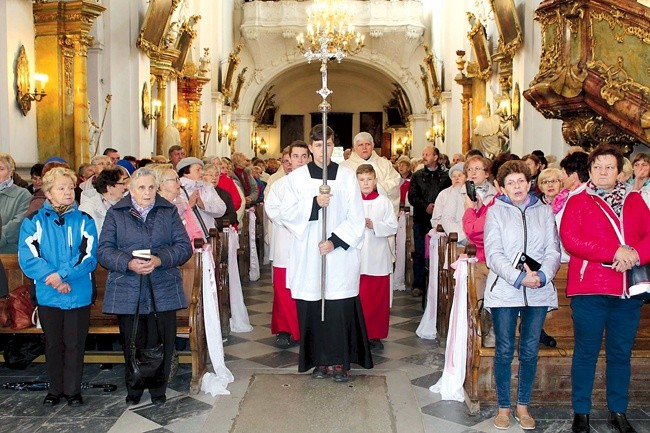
[17, 132]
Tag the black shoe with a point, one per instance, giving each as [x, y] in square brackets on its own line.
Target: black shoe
[376, 345]
[159, 400]
[547, 340]
[106, 366]
[580, 423]
[51, 400]
[340, 374]
[283, 340]
[132, 399]
[75, 400]
[619, 422]
[320, 372]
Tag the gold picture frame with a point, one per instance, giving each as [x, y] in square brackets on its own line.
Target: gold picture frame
[146, 105]
[155, 27]
[478, 39]
[510, 34]
[429, 61]
[186, 35]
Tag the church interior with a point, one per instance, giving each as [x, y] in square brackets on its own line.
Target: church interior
[251, 76]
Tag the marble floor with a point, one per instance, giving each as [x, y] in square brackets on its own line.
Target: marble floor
[409, 363]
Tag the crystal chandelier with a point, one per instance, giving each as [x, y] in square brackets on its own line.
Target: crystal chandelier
[330, 33]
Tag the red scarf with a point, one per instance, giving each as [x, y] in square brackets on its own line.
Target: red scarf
[371, 196]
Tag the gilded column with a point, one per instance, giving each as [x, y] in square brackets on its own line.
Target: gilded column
[161, 123]
[190, 88]
[61, 46]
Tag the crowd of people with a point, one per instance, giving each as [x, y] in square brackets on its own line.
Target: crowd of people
[525, 215]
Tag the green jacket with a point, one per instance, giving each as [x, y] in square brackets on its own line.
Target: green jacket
[14, 202]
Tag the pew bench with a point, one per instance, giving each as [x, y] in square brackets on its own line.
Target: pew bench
[189, 320]
[553, 379]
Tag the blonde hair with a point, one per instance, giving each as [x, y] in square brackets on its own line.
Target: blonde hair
[50, 177]
[627, 172]
[549, 173]
[9, 161]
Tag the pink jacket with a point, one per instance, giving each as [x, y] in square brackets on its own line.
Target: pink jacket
[474, 228]
[591, 240]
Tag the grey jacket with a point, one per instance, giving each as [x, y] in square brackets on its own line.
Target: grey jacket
[508, 231]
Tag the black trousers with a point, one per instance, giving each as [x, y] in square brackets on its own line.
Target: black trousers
[65, 337]
[148, 337]
[4, 285]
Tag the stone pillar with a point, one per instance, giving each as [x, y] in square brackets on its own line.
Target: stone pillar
[61, 46]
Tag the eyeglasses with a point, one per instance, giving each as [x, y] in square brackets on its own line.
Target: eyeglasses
[547, 181]
[173, 179]
[475, 169]
[517, 182]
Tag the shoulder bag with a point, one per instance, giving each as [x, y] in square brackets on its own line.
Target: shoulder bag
[146, 367]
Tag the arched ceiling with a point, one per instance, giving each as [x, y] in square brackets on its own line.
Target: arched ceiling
[354, 86]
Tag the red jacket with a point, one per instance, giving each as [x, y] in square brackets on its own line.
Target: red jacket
[591, 240]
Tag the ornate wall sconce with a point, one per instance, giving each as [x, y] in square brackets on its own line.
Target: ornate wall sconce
[509, 108]
[403, 144]
[156, 111]
[150, 110]
[231, 133]
[23, 96]
[223, 129]
[437, 130]
[259, 145]
[182, 124]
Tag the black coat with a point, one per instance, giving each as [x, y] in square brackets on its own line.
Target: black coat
[424, 189]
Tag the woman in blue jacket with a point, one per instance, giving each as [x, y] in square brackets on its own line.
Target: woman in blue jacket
[56, 249]
[144, 220]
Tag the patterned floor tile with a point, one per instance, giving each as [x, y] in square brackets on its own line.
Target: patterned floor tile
[173, 410]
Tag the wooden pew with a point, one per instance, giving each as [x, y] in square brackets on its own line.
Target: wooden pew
[243, 253]
[553, 379]
[219, 241]
[189, 321]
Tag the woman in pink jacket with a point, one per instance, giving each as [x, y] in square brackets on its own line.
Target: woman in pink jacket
[592, 233]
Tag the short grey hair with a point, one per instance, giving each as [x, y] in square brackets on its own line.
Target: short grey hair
[363, 136]
[141, 172]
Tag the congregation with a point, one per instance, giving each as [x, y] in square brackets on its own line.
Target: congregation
[526, 215]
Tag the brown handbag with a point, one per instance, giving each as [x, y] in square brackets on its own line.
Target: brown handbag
[21, 308]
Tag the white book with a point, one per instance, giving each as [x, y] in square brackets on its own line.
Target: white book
[142, 254]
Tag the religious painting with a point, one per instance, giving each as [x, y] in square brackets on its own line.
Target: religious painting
[386, 141]
[156, 25]
[341, 123]
[480, 47]
[510, 35]
[371, 122]
[292, 128]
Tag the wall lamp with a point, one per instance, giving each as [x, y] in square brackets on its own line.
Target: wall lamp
[182, 124]
[436, 130]
[509, 108]
[231, 133]
[23, 96]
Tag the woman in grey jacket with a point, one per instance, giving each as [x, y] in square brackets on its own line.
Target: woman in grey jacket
[519, 223]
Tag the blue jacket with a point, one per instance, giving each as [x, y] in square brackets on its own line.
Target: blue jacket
[164, 234]
[67, 244]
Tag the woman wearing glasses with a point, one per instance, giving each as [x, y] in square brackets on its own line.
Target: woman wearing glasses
[518, 223]
[550, 184]
[111, 186]
[601, 251]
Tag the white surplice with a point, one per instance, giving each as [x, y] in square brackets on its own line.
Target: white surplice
[345, 219]
[376, 256]
[281, 237]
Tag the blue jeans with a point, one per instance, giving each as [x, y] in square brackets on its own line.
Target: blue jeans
[505, 327]
[592, 315]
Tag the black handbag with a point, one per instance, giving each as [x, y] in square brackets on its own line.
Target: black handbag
[146, 366]
[638, 280]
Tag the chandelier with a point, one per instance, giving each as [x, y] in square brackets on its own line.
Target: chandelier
[330, 33]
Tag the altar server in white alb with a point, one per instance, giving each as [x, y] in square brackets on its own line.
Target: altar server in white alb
[333, 344]
[376, 257]
[284, 316]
